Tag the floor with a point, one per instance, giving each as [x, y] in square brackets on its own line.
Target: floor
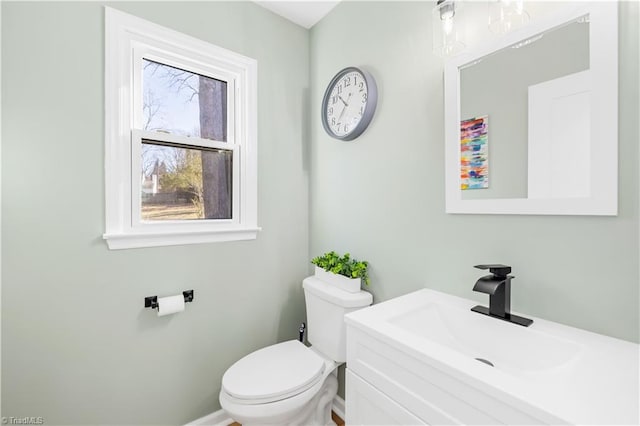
[337, 419]
[334, 416]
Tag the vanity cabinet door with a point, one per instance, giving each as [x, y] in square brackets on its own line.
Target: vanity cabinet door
[432, 392]
[365, 405]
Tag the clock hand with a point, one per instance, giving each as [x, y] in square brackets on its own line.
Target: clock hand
[342, 113]
[346, 105]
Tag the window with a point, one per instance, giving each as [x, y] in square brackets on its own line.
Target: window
[181, 116]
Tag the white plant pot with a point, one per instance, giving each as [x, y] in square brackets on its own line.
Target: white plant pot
[351, 285]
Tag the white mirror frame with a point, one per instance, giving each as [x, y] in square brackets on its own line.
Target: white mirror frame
[603, 57]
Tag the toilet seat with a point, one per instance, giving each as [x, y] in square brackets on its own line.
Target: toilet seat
[273, 373]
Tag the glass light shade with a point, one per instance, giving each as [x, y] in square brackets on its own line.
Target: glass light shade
[506, 15]
[445, 20]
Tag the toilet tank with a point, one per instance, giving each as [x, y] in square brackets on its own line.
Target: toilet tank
[326, 307]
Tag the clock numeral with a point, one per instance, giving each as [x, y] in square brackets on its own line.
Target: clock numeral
[362, 110]
[364, 97]
[346, 127]
[333, 121]
[334, 99]
[330, 110]
[347, 82]
[361, 85]
[339, 89]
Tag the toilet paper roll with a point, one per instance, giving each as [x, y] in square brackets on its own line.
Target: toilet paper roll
[170, 305]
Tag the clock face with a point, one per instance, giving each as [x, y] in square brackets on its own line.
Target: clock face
[348, 105]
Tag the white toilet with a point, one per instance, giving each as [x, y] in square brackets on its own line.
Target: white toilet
[290, 383]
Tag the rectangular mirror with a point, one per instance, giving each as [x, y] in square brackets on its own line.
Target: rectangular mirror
[531, 119]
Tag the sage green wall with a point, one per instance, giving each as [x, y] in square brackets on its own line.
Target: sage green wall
[78, 347]
[381, 197]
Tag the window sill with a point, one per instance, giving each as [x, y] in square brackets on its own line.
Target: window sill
[147, 239]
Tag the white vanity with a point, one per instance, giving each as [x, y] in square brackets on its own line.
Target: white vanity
[414, 360]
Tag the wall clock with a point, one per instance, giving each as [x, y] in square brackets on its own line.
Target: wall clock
[349, 103]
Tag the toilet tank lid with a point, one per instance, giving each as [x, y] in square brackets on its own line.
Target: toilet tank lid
[335, 295]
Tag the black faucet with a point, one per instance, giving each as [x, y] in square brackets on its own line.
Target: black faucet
[498, 287]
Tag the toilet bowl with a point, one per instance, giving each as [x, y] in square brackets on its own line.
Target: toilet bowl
[289, 383]
[287, 392]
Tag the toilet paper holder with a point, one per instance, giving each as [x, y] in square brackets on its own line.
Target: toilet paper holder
[152, 301]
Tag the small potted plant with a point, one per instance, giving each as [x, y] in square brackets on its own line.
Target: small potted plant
[341, 271]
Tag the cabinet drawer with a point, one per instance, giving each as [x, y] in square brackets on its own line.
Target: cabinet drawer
[365, 405]
[430, 392]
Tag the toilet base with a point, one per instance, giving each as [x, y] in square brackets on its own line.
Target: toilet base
[318, 411]
[315, 412]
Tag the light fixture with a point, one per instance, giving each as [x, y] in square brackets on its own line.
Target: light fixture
[506, 15]
[446, 37]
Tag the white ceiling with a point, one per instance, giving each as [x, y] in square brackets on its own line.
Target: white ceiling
[305, 13]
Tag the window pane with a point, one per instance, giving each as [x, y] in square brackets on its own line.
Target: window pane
[185, 183]
[183, 103]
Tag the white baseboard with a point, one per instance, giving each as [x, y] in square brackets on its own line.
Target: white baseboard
[338, 406]
[220, 417]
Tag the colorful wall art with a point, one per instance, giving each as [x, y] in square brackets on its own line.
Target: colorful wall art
[474, 153]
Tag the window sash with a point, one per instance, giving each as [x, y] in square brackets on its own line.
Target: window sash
[143, 51]
[137, 223]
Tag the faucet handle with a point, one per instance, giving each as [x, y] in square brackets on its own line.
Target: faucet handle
[496, 269]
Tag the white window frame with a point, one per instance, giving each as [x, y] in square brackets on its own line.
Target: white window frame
[129, 39]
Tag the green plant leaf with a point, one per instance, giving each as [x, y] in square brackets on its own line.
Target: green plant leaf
[343, 265]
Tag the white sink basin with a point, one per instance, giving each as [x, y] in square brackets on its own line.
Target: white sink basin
[572, 375]
[509, 347]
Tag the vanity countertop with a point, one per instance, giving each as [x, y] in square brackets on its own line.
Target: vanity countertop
[572, 375]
